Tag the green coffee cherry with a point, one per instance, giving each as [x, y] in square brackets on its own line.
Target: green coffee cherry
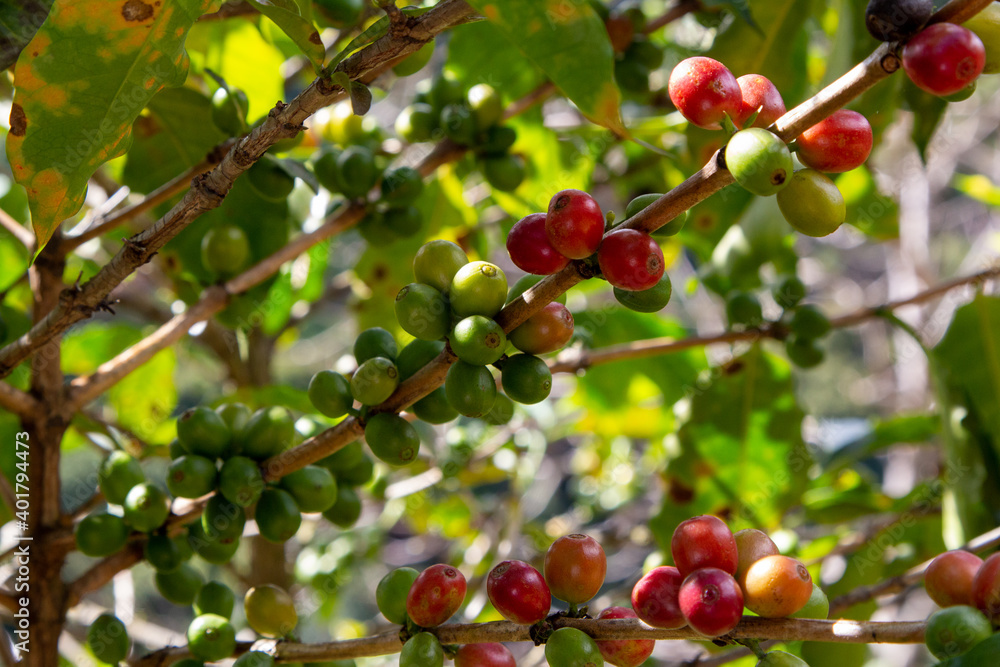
[392, 439]
[374, 381]
[478, 340]
[759, 161]
[646, 301]
[375, 342]
[437, 262]
[470, 389]
[422, 312]
[330, 393]
[812, 203]
[526, 378]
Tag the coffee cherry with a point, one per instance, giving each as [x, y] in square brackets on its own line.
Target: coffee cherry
[422, 312]
[179, 587]
[986, 25]
[415, 61]
[948, 579]
[478, 340]
[781, 659]
[417, 354]
[501, 413]
[478, 288]
[895, 20]
[546, 331]
[347, 510]
[470, 389]
[108, 640]
[375, 342]
[270, 611]
[208, 549]
[841, 142]
[574, 224]
[203, 432]
[248, 659]
[269, 179]
[314, 488]
[402, 186]
[392, 439]
[101, 534]
[267, 432]
[437, 262]
[146, 507]
[211, 637]
[944, 58]
[435, 596]
[487, 654]
[524, 283]
[954, 631]
[818, 605]
[530, 249]
[751, 546]
[569, 647]
[759, 161]
[374, 381]
[240, 481]
[963, 94]
[759, 93]
[391, 592]
[434, 408]
[809, 322]
[812, 203]
[575, 566]
[236, 415]
[416, 123]
[118, 473]
[222, 520]
[704, 91]
[519, 592]
[669, 228]
[165, 553]
[631, 260]
[403, 221]
[342, 13]
[497, 140]
[526, 379]
[422, 650]
[330, 394]
[357, 171]
[986, 588]
[225, 250]
[278, 517]
[215, 598]
[486, 105]
[648, 300]
[789, 292]
[624, 652]
[743, 309]
[504, 171]
[777, 586]
[711, 601]
[703, 541]
[803, 352]
[655, 598]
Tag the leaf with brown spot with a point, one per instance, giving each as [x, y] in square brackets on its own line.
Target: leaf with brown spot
[85, 76]
[19, 20]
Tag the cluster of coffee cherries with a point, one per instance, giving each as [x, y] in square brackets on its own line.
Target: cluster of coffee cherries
[269, 611]
[574, 228]
[943, 59]
[806, 324]
[707, 94]
[968, 590]
[471, 118]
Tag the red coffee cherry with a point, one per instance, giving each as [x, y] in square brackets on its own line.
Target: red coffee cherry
[519, 592]
[704, 91]
[631, 260]
[839, 143]
[574, 224]
[711, 601]
[986, 588]
[944, 58]
[758, 92]
[435, 596]
[575, 566]
[530, 249]
[949, 578]
[488, 654]
[624, 652]
[704, 541]
[655, 598]
[545, 331]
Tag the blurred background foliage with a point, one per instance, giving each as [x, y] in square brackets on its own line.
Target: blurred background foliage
[879, 458]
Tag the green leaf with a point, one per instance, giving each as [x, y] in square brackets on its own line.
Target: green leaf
[86, 348]
[19, 20]
[146, 412]
[79, 84]
[979, 187]
[741, 451]
[478, 52]
[174, 134]
[928, 111]
[286, 15]
[568, 41]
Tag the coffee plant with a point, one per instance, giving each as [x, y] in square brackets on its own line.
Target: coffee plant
[499, 332]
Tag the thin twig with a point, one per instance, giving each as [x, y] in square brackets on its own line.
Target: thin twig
[680, 8]
[16, 401]
[22, 234]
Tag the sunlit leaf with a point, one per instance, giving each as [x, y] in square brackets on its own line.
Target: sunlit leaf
[146, 413]
[287, 15]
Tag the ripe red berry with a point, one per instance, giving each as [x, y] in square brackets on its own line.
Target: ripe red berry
[986, 588]
[574, 224]
[575, 566]
[519, 592]
[487, 654]
[711, 601]
[948, 579]
[704, 541]
[530, 249]
[944, 58]
[545, 331]
[624, 652]
[631, 260]
[435, 596]
[759, 93]
[839, 143]
[704, 91]
[655, 598]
